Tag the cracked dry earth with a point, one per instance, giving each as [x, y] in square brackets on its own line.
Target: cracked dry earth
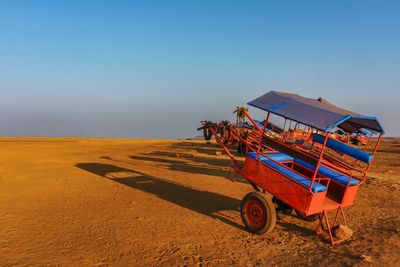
[119, 202]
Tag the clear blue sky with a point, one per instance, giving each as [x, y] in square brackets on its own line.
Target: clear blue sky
[155, 68]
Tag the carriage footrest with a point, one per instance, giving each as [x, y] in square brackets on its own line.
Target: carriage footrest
[332, 233]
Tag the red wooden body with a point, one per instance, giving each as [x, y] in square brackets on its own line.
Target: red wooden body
[297, 195]
[289, 190]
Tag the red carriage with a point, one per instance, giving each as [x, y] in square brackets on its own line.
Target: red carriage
[301, 168]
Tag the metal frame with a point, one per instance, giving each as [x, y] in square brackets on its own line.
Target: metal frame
[289, 190]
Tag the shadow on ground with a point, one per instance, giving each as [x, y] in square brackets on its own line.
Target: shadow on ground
[188, 166]
[291, 227]
[204, 202]
[186, 162]
[207, 148]
[388, 151]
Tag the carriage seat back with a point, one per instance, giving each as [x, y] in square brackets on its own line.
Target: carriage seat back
[343, 148]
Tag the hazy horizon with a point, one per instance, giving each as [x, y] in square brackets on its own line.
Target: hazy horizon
[155, 69]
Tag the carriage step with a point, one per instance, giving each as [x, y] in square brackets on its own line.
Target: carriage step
[336, 232]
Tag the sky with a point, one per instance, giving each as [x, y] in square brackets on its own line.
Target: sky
[156, 68]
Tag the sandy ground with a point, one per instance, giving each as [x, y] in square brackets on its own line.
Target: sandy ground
[149, 202]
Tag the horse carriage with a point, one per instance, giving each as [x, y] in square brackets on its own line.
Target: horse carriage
[301, 167]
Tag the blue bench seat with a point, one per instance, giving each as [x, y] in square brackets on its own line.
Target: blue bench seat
[316, 188]
[324, 171]
[277, 156]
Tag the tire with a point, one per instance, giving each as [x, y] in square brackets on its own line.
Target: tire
[258, 214]
[309, 218]
[241, 149]
[207, 134]
[220, 131]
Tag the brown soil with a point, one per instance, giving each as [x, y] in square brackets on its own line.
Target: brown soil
[151, 202]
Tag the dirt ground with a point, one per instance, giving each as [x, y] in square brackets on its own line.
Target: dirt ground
[120, 202]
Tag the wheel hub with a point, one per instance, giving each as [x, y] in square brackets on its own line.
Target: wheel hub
[255, 213]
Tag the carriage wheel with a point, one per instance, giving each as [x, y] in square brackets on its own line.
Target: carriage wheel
[207, 134]
[241, 149]
[258, 214]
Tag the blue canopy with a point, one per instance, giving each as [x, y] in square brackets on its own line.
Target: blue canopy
[317, 113]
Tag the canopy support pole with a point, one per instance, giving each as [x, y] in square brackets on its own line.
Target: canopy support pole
[319, 160]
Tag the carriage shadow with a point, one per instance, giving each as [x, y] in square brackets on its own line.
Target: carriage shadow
[190, 164]
[203, 202]
[202, 148]
[291, 227]
[387, 151]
